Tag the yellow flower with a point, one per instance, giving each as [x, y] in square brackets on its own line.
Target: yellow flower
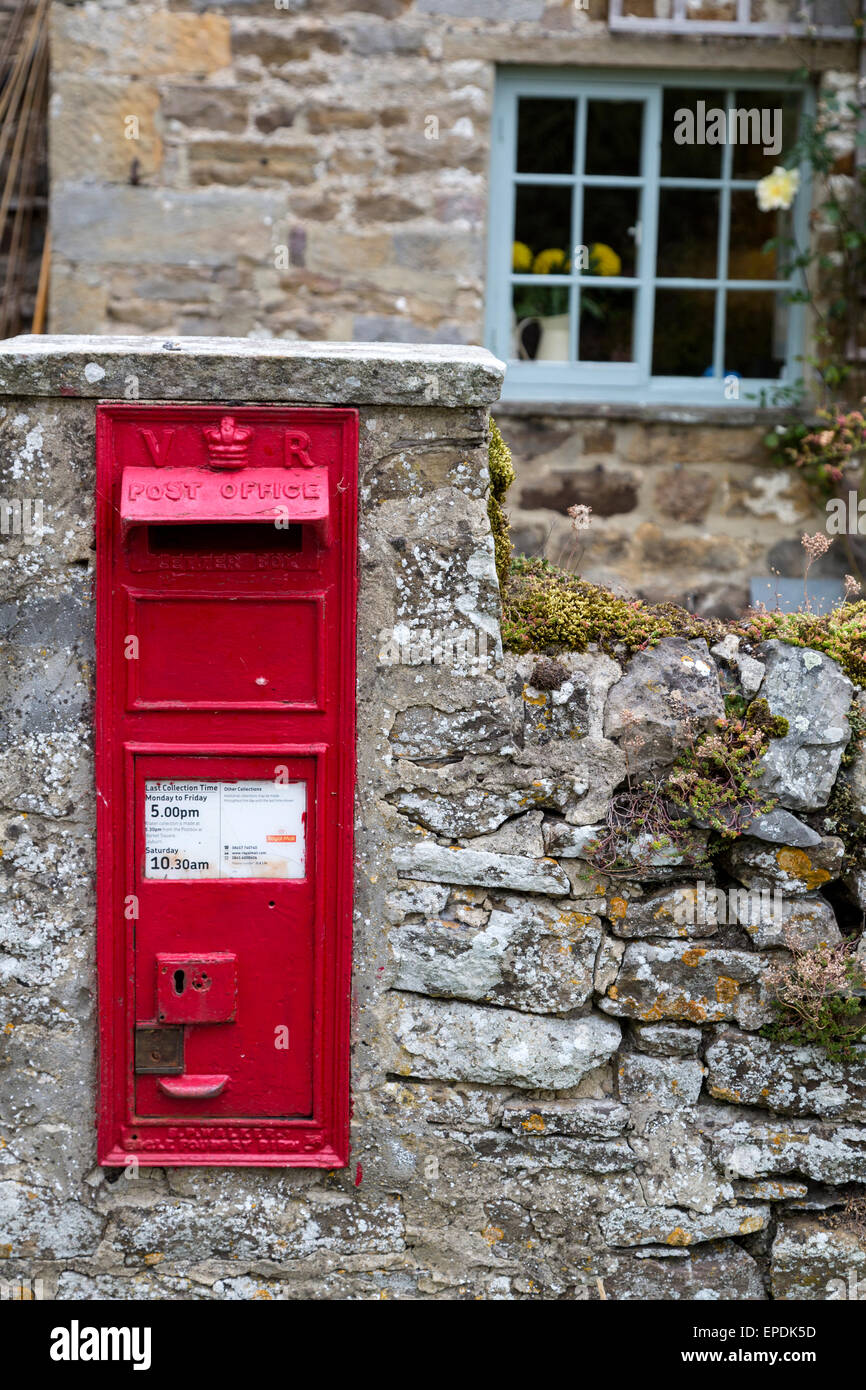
[603, 260]
[778, 189]
[521, 258]
[551, 262]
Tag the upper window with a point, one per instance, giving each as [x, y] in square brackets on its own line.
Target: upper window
[627, 244]
[822, 19]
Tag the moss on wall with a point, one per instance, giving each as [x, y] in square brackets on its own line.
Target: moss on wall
[545, 609]
[501, 478]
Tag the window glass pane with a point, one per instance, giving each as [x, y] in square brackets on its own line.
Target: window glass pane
[539, 323]
[613, 137]
[542, 224]
[697, 122]
[606, 325]
[545, 135]
[685, 153]
[711, 10]
[756, 326]
[683, 332]
[837, 13]
[688, 233]
[763, 120]
[610, 216]
[751, 229]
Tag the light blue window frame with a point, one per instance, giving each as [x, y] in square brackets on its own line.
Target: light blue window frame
[619, 381]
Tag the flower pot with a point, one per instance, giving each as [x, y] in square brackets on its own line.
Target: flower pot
[525, 337]
[554, 339]
[541, 338]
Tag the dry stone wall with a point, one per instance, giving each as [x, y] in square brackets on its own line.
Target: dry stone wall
[560, 1084]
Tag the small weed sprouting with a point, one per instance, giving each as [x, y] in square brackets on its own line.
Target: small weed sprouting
[642, 830]
[840, 634]
[717, 780]
[817, 997]
[851, 1217]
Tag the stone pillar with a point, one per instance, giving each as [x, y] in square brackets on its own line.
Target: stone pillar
[429, 649]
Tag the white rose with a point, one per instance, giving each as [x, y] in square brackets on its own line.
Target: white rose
[778, 189]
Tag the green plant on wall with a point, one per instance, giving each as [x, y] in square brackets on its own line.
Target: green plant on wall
[830, 451]
[841, 634]
[817, 999]
[717, 780]
[831, 270]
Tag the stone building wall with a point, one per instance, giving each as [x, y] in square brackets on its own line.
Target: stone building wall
[355, 134]
[559, 1086]
[319, 169]
[685, 505]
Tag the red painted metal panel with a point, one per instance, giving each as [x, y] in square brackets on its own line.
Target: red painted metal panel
[225, 650]
[225, 771]
[176, 495]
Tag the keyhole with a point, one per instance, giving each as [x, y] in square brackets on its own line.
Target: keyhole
[179, 976]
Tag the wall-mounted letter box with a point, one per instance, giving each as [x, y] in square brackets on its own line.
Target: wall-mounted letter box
[226, 544]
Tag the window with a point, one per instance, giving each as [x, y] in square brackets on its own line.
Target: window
[824, 19]
[627, 255]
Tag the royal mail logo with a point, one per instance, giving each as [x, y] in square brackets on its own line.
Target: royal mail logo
[227, 443]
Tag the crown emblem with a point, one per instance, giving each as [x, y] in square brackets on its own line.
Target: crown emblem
[227, 443]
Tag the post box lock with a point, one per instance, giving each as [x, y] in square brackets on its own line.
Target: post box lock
[226, 574]
[196, 989]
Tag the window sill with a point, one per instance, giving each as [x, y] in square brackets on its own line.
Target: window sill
[736, 416]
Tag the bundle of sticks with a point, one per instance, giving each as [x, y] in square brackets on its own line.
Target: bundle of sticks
[24, 234]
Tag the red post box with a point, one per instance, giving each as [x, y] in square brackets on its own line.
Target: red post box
[225, 729]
